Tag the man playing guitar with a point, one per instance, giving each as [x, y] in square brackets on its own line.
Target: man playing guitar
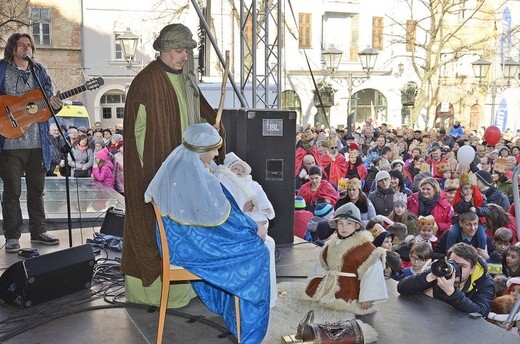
[28, 154]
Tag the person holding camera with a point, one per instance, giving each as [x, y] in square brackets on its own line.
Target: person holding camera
[461, 280]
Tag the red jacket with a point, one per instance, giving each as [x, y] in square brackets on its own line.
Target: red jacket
[442, 211]
[325, 192]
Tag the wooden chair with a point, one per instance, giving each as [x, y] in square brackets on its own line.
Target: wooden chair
[173, 273]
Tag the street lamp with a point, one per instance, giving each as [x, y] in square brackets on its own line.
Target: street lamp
[509, 71]
[128, 42]
[367, 58]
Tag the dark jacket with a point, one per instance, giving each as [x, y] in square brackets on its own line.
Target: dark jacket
[479, 240]
[383, 201]
[493, 195]
[474, 297]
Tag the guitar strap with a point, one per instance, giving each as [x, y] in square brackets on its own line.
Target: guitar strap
[3, 68]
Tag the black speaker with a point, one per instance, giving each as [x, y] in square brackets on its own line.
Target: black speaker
[114, 222]
[46, 277]
[265, 139]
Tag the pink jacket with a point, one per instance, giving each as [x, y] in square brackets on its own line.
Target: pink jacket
[442, 211]
[104, 174]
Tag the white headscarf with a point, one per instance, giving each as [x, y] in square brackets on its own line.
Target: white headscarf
[183, 187]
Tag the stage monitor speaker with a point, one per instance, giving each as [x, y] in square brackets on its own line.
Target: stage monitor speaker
[265, 139]
[36, 280]
[114, 222]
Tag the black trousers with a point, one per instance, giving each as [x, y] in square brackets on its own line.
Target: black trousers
[13, 163]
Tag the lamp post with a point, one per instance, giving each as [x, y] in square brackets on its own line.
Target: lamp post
[509, 71]
[128, 42]
[367, 58]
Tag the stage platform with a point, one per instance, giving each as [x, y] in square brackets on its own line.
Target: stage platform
[85, 318]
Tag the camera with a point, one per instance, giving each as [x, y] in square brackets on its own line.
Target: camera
[446, 268]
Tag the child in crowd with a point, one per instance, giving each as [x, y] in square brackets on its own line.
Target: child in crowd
[350, 276]
[393, 268]
[119, 184]
[382, 238]
[502, 241]
[511, 262]
[427, 230]
[513, 287]
[401, 214]
[318, 227]
[469, 198]
[500, 285]
[103, 169]
[420, 257]
[301, 216]
[450, 186]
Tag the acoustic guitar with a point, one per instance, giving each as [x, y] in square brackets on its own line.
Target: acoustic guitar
[18, 113]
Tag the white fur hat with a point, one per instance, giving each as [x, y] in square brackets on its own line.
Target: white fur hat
[232, 159]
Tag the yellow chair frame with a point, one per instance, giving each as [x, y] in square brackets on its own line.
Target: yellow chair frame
[173, 273]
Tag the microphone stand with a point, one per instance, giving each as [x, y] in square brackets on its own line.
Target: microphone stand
[67, 149]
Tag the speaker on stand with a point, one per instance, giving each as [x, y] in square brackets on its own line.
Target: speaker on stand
[265, 139]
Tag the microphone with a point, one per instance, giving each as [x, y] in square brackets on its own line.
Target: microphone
[29, 59]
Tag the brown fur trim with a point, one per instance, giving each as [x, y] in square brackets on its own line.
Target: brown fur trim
[333, 261]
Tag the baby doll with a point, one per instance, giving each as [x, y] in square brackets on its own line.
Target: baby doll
[427, 230]
[103, 169]
[351, 276]
[235, 175]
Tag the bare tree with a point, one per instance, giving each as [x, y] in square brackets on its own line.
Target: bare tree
[14, 14]
[437, 33]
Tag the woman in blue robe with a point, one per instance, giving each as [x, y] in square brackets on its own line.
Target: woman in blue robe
[210, 236]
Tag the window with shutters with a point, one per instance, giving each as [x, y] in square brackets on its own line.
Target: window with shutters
[377, 33]
[410, 34]
[305, 40]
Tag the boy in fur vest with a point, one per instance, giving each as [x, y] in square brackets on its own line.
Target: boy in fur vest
[350, 277]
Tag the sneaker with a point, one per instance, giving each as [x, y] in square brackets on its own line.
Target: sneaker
[46, 239]
[12, 246]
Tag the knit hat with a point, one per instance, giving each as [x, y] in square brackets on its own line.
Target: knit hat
[324, 210]
[174, 36]
[379, 234]
[485, 177]
[347, 211]
[382, 175]
[397, 161]
[299, 202]
[511, 283]
[451, 184]
[400, 199]
[82, 129]
[232, 159]
[117, 137]
[467, 179]
[102, 154]
[99, 142]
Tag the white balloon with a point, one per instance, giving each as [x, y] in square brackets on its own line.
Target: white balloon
[465, 155]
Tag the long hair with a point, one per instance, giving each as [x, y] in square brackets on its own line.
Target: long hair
[497, 217]
[10, 46]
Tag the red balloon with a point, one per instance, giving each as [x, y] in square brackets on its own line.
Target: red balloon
[492, 135]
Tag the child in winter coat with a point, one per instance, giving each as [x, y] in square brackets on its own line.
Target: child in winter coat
[103, 169]
[350, 276]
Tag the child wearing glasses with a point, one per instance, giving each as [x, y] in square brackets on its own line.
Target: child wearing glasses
[420, 257]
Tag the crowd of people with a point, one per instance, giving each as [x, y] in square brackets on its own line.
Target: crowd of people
[95, 153]
[442, 196]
